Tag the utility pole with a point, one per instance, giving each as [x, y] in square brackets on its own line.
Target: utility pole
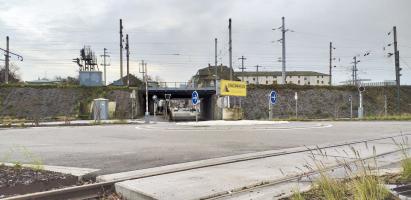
[283, 30]
[257, 67]
[331, 62]
[230, 49]
[6, 75]
[397, 69]
[145, 78]
[105, 65]
[215, 64]
[242, 65]
[354, 71]
[230, 52]
[121, 51]
[7, 60]
[128, 61]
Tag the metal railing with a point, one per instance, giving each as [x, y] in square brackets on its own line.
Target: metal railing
[177, 85]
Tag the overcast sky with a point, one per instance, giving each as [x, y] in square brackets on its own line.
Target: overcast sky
[176, 37]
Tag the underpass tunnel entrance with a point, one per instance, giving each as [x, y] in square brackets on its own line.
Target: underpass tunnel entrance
[177, 106]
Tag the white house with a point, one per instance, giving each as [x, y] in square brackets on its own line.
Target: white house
[292, 77]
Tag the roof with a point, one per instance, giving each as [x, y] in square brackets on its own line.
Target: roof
[207, 73]
[279, 73]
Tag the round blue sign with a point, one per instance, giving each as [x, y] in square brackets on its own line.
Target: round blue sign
[273, 97]
[194, 98]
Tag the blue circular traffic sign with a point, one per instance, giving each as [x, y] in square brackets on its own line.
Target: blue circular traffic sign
[273, 97]
[194, 98]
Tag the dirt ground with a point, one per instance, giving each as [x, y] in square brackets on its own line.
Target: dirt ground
[17, 180]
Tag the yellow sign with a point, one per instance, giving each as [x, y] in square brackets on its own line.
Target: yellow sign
[233, 88]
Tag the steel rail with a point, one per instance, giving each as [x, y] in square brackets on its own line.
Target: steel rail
[96, 190]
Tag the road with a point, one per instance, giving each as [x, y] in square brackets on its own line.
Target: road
[117, 148]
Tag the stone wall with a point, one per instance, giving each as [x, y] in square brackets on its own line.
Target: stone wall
[52, 102]
[322, 102]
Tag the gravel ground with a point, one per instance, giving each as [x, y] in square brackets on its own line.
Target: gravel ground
[17, 180]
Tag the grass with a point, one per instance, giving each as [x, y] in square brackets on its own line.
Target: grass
[362, 184]
[403, 117]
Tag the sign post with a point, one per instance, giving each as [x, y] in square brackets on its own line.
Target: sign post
[361, 89]
[350, 99]
[195, 100]
[155, 100]
[272, 101]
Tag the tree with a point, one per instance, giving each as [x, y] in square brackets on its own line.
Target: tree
[13, 74]
[68, 80]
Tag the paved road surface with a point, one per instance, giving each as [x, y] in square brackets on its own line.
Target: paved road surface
[118, 148]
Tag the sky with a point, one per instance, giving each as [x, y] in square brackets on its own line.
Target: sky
[176, 37]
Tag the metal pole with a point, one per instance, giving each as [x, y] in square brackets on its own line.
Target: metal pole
[360, 109]
[385, 105]
[283, 75]
[196, 107]
[128, 61]
[104, 58]
[215, 64]
[331, 62]
[147, 114]
[121, 51]
[6, 74]
[230, 51]
[351, 108]
[397, 69]
[270, 115]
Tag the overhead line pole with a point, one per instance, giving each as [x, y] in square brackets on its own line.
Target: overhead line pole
[128, 60]
[397, 69]
[215, 64]
[121, 51]
[331, 62]
[257, 67]
[105, 65]
[283, 30]
[242, 65]
[230, 49]
[6, 75]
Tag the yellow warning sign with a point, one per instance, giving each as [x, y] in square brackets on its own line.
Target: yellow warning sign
[233, 88]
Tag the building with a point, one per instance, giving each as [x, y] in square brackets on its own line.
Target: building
[292, 77]
[205, 77]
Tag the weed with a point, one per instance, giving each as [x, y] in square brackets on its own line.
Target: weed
[17, 165]
[368, 187]
[297, 195]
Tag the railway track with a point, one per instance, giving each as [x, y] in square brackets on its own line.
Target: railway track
[98, 190]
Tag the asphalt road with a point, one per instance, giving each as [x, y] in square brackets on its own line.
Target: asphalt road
[118, 148]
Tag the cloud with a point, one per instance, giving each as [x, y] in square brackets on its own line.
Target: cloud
[49, 33]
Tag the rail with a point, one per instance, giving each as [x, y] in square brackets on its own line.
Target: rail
[97, 190]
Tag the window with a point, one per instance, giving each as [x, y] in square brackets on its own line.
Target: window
[266, 82]
[318, 81]
[254, 79]
[298, 82]
[305, 78]
[318, 76]
[309, 83]
[298, 76]
[322, 76]
[322, 82]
